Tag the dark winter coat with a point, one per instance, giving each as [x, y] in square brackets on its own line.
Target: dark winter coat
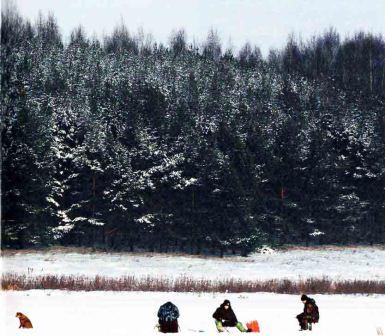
[226, 316]
[310, 310]
[169, 327]
[168, 312]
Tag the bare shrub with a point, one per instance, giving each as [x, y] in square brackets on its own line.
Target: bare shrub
[13, 281]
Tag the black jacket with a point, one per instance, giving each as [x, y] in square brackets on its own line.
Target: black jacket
[168, 312]
[310, 309]
[226, 315]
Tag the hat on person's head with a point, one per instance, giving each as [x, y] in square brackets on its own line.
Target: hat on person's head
[304, 297]
[226, 303]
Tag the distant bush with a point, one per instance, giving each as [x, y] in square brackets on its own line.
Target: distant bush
[12, 281]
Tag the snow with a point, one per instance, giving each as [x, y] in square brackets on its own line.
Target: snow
[146, 219]
[63, 313]
[316, 232]
[365, 263]
[51, 200]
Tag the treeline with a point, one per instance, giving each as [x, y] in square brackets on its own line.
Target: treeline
[127, 143]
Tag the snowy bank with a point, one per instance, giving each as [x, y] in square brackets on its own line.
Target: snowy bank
[363, 263]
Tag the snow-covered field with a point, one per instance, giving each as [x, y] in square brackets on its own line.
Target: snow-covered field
[363, 263]
[134, 313]
[63, 313]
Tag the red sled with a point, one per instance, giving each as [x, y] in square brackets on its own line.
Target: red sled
[253, 326]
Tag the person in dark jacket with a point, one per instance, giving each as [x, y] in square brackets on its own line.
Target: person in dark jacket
[224, 317]
[310, 313]
[168, 315]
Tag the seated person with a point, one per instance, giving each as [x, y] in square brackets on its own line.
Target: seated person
[168, 315]
[310, 313]
[225, 317]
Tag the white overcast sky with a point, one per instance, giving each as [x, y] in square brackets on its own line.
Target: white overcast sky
[266, 23]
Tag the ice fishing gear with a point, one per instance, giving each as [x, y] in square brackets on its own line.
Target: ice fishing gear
[253, 326]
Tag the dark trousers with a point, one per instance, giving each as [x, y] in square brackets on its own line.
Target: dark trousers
[168, 326]
[303, 321]
[227, 323]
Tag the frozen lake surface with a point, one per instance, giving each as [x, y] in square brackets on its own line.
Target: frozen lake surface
[63, 313]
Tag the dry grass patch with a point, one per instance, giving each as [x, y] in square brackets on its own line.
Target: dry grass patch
[12, 281]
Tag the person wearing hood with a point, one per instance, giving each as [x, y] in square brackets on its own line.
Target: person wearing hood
[224, 317]
[168, 315]
[310, 313]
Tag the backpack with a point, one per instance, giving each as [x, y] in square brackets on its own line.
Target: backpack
[314, 312]
[168, 312]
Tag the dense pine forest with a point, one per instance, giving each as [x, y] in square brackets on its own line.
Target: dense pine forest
[124, 143]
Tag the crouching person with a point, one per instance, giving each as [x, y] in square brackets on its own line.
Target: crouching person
[168, 315]
[310, 313]
[224, 317]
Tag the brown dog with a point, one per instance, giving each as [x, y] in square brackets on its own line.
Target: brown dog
[24, 321]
